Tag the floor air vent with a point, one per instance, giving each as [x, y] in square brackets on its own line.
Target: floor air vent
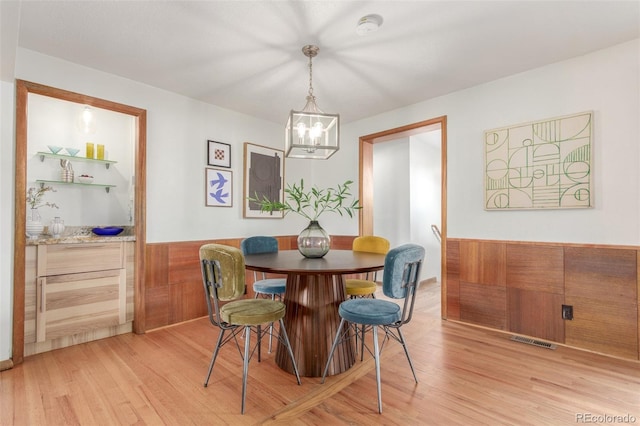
[533, 342]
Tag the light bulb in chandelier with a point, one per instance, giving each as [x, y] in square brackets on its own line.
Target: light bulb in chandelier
[302, 130]
[316, 131]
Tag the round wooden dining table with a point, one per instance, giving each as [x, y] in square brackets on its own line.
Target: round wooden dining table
[314, 291]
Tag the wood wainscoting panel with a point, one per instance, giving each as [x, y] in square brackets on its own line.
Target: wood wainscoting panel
[535, 267]
[483, 305]
[535, 290]
[601, 285]
[453, 280]
[483, 262]
[173, 280]
[536, 314]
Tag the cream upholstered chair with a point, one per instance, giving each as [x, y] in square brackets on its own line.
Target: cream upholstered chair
[263, 286]
[366, 287]
[223, 275]
[400, 280]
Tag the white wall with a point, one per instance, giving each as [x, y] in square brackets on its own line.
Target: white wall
[605, 82]
[426, 200]
[52, 121]
[7, 172]
[391, 197]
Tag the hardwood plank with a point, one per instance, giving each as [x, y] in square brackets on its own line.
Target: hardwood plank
[467, 374]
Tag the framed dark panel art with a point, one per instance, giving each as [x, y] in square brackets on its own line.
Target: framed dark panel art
[263, 177]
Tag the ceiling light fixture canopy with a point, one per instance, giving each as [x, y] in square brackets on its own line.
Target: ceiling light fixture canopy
[311, 133]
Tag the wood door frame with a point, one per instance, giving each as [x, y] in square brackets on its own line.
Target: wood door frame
[23, 88]
[366, 183]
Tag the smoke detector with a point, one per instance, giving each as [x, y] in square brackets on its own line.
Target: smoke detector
[368, 24]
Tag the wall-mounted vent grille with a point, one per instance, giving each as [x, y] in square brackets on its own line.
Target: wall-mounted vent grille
[533, 342]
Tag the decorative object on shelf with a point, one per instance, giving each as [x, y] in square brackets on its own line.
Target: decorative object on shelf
[218, 154]
[56, 228]
[54, 148]
[72, 151]
[107, 231]
[313, 241]
[34, 225]
[311, 133]
[263, 179]
[100, 152]
[66, 175]
[218, 184]
[85, 179]
[89, 152]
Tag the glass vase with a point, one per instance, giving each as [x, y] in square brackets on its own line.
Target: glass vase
[313, 241]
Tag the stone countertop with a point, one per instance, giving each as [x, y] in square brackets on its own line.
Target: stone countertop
[81, 234]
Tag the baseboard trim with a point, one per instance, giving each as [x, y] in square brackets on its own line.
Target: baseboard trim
[6, 364]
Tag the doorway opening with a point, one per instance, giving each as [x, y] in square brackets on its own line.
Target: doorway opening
[366, 189]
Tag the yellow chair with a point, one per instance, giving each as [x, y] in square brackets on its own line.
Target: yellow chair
[223, 275]
[366, 287]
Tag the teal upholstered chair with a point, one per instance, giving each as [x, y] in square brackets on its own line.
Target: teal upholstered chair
[223, 275]
[400, 279]
[262, 286]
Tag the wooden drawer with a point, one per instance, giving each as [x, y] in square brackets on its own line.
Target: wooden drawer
[59, 259]
[77, 303]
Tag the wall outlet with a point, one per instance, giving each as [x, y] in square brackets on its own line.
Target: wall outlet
[567, 312]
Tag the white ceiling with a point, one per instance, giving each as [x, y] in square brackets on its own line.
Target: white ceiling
[246, 55]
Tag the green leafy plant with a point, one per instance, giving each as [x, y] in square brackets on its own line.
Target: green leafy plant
[312, 203]
[35, 196]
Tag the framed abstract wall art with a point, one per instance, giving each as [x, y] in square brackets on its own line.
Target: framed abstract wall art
[540, 165]
[218, 188]
[263, 177]
[218, 154]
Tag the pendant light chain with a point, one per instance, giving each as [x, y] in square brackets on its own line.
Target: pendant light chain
[310, 76]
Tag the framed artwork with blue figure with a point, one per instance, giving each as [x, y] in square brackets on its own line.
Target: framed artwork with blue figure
[218, 188]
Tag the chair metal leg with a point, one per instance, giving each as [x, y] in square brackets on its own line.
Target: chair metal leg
[406, 351]
[283, 332]
[273, 297]
[333, 348]
[214, 356]
[259, 342]
[361, 342]
[376, 356]
[245, 367]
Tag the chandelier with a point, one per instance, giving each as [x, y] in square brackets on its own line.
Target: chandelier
[311, 133]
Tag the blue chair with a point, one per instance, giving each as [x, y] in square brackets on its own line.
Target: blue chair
[223, 276]
[400, 280]
[264, 287]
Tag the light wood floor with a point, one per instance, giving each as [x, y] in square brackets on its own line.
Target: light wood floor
[467, 376]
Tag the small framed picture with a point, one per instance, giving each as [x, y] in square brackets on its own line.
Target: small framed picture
[218, 188]
[218, 154]
[263, 178]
